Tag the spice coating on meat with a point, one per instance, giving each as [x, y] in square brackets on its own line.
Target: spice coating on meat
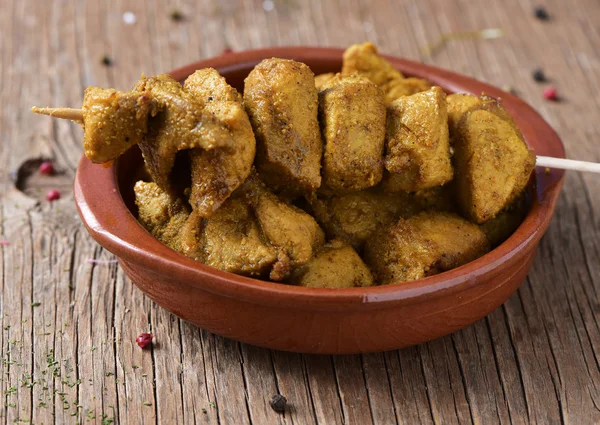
[423, 245]
[492, 161]
[292, 231]
[363, 59]
[352, 116]
[217, 173]
[114, 121]
[417, 144]
[336, 265]
[281, 100]
[160, 213]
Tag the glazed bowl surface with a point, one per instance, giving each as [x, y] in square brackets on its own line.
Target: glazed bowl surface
[315, 320]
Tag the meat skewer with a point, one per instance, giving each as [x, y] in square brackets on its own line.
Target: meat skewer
[541, 161]
[163, 118]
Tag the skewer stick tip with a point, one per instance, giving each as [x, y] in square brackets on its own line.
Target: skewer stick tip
[63, 113]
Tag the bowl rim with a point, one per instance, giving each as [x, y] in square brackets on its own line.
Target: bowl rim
[112, 225]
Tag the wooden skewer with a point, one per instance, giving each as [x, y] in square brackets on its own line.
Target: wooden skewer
[64, 113]
[541, 161]
[567, 164]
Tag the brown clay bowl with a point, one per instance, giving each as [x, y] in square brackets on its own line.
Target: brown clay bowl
[310, 320]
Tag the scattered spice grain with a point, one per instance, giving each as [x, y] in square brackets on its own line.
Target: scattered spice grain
[278, 403]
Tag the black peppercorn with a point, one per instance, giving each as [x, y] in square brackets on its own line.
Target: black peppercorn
[538, 75]
[177, 15]
[541, 14]
[278, 403]
[106, 60]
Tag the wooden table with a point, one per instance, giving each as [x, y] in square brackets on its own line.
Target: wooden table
[68, 326]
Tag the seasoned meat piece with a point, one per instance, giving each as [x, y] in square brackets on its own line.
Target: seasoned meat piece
[281, 99]
[355, 216]
[439, 198]
[190, 237]
[336, 265]
[423, 245]
[363, 59]
[499, 228]
[417, 146]
[160, 213]
[492, 161]
[322, 79]
[207, 86]
[233, 241]
[405, 87]
[217, 173]
[352, 116]
[114, 122]
[458, 105]
[181, 123]
[292, 231]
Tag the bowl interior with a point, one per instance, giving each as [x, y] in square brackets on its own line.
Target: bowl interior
[125, 237]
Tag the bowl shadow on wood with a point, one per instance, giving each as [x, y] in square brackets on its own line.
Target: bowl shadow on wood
[313, 320]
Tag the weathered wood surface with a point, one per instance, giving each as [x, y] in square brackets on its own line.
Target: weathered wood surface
[68, 326]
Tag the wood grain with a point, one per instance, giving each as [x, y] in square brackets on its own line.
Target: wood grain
[68, 325]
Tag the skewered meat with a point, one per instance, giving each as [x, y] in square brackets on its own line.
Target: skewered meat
[217, 173]
[492, 161]
[182, 123]
[113, 122]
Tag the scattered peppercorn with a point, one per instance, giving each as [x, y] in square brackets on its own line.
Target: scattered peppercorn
[541, 13]
[278, 403]
[53, 195]
[106, 60]
[177, 15]
[539, 76]
[143, 340]
[550, 93]
[46, 168]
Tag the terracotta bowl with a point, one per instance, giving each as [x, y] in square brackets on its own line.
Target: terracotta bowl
[310, 320]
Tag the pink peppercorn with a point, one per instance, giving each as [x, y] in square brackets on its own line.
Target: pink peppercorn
[143, 340]
[47, 168]
[550, 93]
[53, 195]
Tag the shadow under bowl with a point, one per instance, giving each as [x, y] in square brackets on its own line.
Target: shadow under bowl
[313, 320]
